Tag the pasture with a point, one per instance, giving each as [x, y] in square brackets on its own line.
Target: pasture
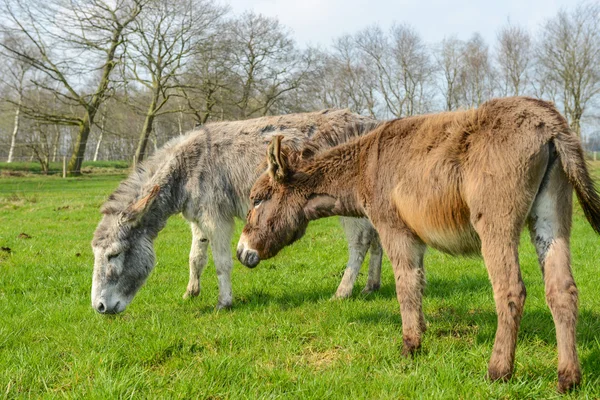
[284, 337]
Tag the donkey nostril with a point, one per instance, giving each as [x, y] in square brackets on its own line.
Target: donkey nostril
[252, 259]
[101, 308]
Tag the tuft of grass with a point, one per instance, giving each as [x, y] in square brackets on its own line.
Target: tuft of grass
[284, 337]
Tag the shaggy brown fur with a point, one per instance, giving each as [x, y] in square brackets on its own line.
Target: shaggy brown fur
[463, 182]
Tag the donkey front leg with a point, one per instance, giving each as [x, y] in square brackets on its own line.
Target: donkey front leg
[221, 251]
[358, 235]
[406, 255]
[374, 277]
[198, 260]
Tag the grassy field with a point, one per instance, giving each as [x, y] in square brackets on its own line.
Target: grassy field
[284, 337]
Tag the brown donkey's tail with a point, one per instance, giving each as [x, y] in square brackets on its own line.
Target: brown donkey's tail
[573, 162]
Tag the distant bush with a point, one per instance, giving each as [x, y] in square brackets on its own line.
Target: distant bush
[101, 167]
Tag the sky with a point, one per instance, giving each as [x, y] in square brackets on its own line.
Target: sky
[318, 22]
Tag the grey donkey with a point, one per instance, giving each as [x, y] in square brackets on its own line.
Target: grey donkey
[207, 176]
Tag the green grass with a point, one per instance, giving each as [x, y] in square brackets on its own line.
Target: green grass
[284, 337]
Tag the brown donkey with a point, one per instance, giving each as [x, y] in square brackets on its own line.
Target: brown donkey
[462, 182]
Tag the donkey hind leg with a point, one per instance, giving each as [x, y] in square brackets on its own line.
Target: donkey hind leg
[499, 206]
[550, 226]
[499, 227]
[358, 234]
[374, 278]
[198, 260]
[221, 250]
[406, 255]
[502, 262]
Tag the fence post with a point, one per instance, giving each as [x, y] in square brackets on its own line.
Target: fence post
[64, 166]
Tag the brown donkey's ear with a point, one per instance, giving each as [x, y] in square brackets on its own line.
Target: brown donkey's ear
[277, 163]
[135, 211]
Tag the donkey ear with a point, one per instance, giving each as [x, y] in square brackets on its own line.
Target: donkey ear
[277, 162]
[135, 211]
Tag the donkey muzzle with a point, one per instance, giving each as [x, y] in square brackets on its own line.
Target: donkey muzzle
[247, 256]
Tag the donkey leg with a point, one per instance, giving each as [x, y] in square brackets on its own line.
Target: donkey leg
[550, 228]
[502, 262]
[221, 250]
[357, 235]
[198, 260]
[374, 278]
[500, 197]
[406, 255]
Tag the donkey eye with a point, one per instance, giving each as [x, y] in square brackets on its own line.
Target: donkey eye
[112, 257]
[257, 202]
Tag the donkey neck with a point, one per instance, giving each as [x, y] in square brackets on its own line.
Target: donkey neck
[166, 173]
[335, 174]
[168, 203]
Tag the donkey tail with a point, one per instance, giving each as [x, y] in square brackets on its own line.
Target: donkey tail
[573, 162]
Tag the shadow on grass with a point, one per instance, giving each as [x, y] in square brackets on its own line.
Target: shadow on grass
[455, 319]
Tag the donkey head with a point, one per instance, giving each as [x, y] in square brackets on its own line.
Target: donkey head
[282, 206]
[123, 255]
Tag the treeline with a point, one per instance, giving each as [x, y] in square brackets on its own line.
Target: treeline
[108, 80]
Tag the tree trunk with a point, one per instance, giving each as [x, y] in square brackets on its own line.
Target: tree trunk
[98, 146]
[55, 143]
[74, 167]
[101, 135]
[91, 108]
[576, 125]
[180, 121]
[13, 138]
[140, 152]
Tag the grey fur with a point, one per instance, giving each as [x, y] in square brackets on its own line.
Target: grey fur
[207, 176]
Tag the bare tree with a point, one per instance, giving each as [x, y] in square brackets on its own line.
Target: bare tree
[73, 40]
[17, 69]
[374, 44]
[569, 56]
[402, 66]
[208, 76]
[414, 69]
[355, 82]
[514, 58]
[477, 76]
[265, 63]
[449, 58]
[340, 79]
[162, 42]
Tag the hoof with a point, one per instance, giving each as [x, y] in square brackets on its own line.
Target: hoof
[569, 379]
[341, 295]
[191, 293]
[370, 289]
[410, 347]
[223, 306]
[498, 374]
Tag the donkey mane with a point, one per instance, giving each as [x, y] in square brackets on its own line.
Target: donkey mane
[325, 140]
[132, 188]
